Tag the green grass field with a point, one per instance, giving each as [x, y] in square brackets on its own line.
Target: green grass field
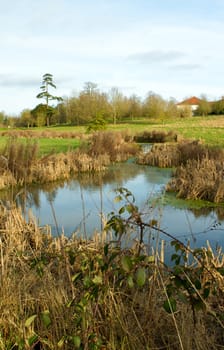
[57, 145]
[46, 145]
[210, 130]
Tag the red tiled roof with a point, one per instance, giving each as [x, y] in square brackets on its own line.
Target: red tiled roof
[190, 101]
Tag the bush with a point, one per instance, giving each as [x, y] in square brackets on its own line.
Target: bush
[112, 144]
[155, 136]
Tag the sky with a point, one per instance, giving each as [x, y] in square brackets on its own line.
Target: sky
[173, 48]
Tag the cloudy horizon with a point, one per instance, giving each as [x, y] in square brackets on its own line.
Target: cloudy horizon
[173, 48]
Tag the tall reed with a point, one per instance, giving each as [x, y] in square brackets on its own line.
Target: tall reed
[59, 293]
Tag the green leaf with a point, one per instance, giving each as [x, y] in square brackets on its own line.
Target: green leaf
[197, 284]
[131, 208]
[117, 199]
[126, 263]
[76, 276]
[206, 292]
[76, 341]
[122, 210]
[106, 249]
[32, 339]
[198, 304]
[153, 222]
[97, 280]
[61, 342]
[45, 316]
[87, 281]
[130, 281]
[221, 270]
[30, 320]
[140, 277]
[170, 305]
[183, 298]
[150, 259]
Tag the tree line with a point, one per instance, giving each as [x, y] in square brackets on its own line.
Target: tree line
[91, 106]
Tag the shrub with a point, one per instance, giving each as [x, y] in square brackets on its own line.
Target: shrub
[155, 136]
[112, 144]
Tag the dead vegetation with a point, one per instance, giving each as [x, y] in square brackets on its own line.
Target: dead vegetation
[199, 180]
[50, 134]
[155, 136]
[116, 145]
[199, 172]
[59, 293]
[20, 164]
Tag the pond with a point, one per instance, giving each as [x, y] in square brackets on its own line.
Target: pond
[82, 205]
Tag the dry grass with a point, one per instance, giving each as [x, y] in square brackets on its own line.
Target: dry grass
[31, 134]
[174, 154]
[19, 163]
[199, 169]
[155, 136]
[116, 145]
[199, 179]
[76, 288]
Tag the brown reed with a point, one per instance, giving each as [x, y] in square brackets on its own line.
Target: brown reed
[48, 283]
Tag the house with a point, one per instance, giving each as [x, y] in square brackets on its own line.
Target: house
[192, 103]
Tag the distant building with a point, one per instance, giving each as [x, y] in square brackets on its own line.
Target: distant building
[192, 103]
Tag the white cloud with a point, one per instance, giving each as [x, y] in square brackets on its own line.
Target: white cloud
[167, 47]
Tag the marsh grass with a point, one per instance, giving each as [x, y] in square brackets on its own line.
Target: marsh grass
[199, 179]
[117, 145]
[60, 293]
[199, 169]
[155, 136]
[20, 163]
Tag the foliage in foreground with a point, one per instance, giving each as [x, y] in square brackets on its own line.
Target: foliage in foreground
[59, 293]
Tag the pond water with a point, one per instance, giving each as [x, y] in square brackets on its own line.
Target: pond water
[82, 205]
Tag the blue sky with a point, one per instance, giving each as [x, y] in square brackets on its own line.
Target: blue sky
[171, 47]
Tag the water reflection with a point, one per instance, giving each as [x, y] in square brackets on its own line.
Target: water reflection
[83, 203]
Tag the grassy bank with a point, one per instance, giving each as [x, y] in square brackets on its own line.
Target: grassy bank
[210, 130]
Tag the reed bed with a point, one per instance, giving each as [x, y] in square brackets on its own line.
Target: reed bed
[20, 164]
[19, 167]
[117, 145]
[50, 134]
[199, 180]
[155, 136]
[199, 172]
[168, 155]
[60, 293]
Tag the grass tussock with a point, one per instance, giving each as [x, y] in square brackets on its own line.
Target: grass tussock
[17, 168]
[62, 166]
[116, 145]
[199, 179]
[59, 293]
[16, 161]
[199, 169]
[155, 136]
[174, 154]
[20, 163]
